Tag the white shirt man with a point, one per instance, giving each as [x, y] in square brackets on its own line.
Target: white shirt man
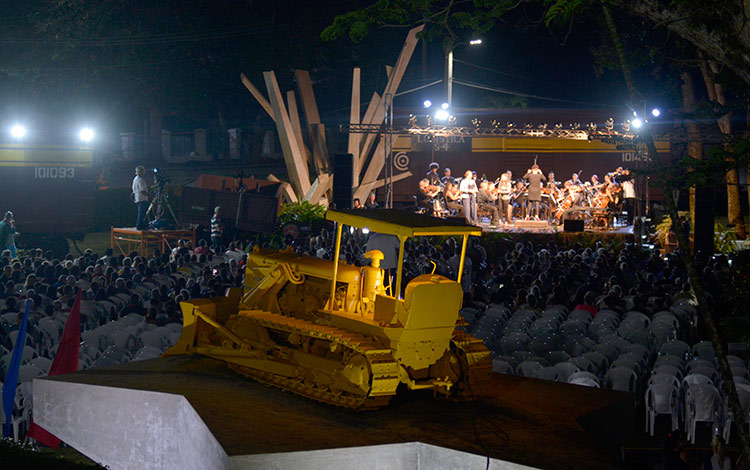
[140, 196]
[468, 188]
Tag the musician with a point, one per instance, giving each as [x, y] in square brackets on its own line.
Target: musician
[432, 176]
[595, 182]
[551, 182]
[535, 177]
[453, 198]
[628, 194]
[371, 203]
[357, 204]
[575, 180]
[485, 200]
[504, 188]
[447, 178]
[519, 198]
[425, 195]
[468, 188]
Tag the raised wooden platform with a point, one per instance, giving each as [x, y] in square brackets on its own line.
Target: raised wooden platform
[530, 422]
[128, 239]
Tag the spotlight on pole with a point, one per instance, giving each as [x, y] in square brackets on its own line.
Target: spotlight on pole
[18, 131]
[445, 106]
[475, 42]
[427, 103]
[442, 115]
[86, 134]
[637, 123]
[655, 112]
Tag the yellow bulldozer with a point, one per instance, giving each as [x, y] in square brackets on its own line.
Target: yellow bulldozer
[341, 334]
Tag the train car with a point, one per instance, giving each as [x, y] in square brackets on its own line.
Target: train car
[50, 190]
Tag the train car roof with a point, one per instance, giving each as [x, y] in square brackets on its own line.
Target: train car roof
[400, 223]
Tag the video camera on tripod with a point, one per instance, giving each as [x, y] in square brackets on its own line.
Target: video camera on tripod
[161, 178]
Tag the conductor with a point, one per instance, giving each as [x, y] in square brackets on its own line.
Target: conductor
[140, 197]
[535, 177]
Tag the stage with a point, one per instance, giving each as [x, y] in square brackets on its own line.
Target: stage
[194, 412]
[125, 240]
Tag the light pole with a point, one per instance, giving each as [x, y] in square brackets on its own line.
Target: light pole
[448, 76]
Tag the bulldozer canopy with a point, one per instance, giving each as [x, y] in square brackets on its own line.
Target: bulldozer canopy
[400, 223]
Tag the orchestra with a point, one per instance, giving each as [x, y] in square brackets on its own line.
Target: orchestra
[531, 197]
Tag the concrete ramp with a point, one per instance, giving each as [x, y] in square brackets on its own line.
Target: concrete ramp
[195, 413]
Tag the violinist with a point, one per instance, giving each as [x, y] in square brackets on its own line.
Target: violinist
[518, 199]
[486, 201]
[535, 177]
[453, 198]
[504, 188]
[426, 194]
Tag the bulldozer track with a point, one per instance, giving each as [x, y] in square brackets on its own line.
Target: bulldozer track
[384, 369]
[476, 361]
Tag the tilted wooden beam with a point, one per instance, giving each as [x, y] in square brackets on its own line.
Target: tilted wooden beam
[388, 70]
[354, 113]
[289, 195]
[257, 94]
[378, 114]
[319, 148]
[373, 171]
[312, 116]
[296, 163]
[318, 188]
[367, 188]
[294, 119]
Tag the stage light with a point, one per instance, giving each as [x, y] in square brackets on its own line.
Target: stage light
[442, 115]
[655, 112]
[475, 42]
[427, 103]
[18, 131]
[86, 134]
[635, 114]
[445, 106]
[637, 123]
[365, 230]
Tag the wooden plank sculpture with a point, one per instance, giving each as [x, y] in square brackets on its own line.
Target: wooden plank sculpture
[299, 157]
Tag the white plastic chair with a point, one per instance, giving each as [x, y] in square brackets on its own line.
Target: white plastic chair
[623, 379]
[565, 370]
[146, 352]
[528, 368]
[701, 405]
[744, 396]
[154, 340]
[662, 398]
[175, 327]
[500, 366]
[583, 364]
[547, 373]
[676, 348]
[586, 379]
[18, 418]
[42, 363]
[28, 372]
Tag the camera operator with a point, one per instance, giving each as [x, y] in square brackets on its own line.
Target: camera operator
[140, 197]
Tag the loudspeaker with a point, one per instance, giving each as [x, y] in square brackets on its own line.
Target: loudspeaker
[703, 225]
[343, 177]
[573, 225]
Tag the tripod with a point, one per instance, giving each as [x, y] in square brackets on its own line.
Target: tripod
[159, 206]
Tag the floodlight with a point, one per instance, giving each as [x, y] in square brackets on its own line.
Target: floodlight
[442, 115]
[365, 230]
[86, 134]
[655, 112]
[637, 123]
[18, 131]
[445, 106]
[475, 42]
[427, 103]
[635, 114]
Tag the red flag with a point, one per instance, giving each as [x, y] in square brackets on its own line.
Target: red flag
[65, 362]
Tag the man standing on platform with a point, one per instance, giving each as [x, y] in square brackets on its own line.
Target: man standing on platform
[628, 194]
[535, 177]
[468, 188]
[140, 196]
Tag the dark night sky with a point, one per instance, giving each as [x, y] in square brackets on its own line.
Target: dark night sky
[54, 85]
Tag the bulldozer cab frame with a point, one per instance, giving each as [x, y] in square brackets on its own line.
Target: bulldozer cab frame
[402, 225]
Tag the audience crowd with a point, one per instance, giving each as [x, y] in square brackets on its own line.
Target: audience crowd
[546, 284]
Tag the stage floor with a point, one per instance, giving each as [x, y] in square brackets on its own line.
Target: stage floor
[621, 230]
[537, 423]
